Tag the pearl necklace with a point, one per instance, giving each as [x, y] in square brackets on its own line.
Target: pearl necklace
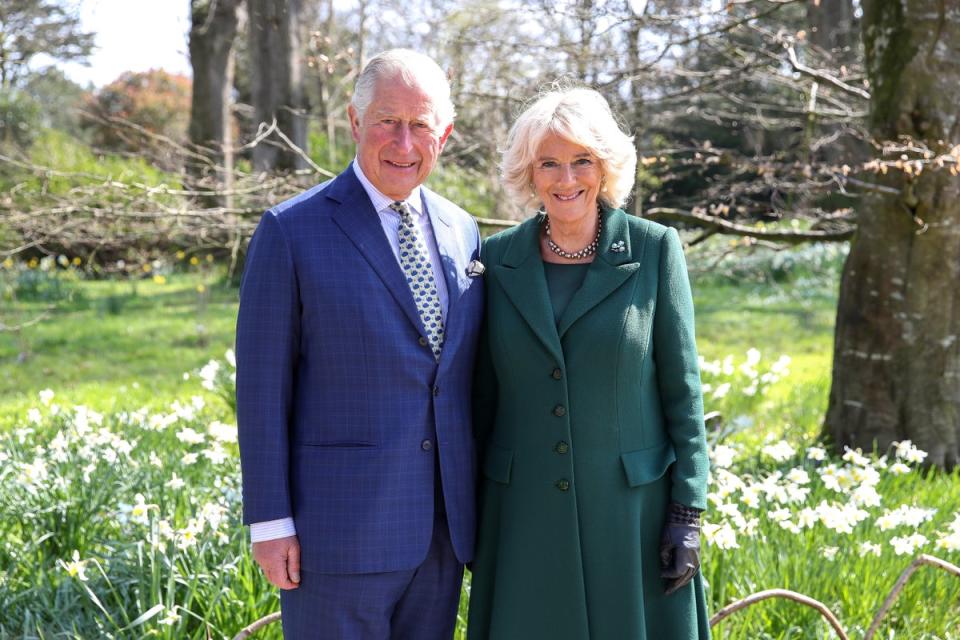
[586, 252]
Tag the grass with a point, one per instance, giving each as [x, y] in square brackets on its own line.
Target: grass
[111, 344]
[175, 563]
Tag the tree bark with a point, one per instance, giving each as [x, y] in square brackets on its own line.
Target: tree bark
[276, 55]
[831, 27]
[213, 30]
[896, 369]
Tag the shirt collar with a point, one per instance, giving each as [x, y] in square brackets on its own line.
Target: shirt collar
[380, 201]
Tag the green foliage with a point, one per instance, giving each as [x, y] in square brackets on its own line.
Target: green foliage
[31, 27]
[59, 99]
[320, 151]
[46, 280]
[156, 101]
[467, 187]
[84, 167]
[19, 118]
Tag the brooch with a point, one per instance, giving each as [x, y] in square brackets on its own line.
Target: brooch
[618, 247]
[475, 269]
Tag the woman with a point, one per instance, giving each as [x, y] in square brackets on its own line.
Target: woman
[590, 416]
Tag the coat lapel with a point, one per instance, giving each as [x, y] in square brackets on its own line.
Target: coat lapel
[522, 278]
[360, 223]
[614, 264]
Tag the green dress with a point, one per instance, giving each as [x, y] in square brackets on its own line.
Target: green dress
[588, 424]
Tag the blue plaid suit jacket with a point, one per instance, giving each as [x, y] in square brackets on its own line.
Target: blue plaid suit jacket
[336, 393]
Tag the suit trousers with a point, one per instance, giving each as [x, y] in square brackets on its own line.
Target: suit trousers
[419, 604]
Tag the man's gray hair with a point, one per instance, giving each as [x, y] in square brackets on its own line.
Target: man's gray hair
[416, 70]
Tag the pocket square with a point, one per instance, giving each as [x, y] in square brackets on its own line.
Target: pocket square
[475, 268]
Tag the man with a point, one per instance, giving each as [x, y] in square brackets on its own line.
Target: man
[359, 312]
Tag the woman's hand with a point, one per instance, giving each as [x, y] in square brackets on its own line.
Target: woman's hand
[679, 547]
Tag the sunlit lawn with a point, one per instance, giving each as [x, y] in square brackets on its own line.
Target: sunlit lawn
[116, 343]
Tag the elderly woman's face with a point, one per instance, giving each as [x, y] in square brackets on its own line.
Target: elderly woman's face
[566, 178]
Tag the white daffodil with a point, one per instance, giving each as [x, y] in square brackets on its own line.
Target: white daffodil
[949, 541]
[208, 375]
[721, 391]
[46, 396]
[171, 618]
[798, 476]
[216, 454]
[899, 468]
[175, 483]
[76, 568]
[190, 436]
[855, 456]
[816, 453]
[807, 518]
[907, 545]
[780, 451]
[223, 432]
[870, 547]
[720, 535]
[723, 456]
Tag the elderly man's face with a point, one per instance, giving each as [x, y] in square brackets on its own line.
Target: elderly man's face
[399, 137]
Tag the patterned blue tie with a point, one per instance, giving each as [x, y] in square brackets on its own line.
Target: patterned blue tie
[415, 262]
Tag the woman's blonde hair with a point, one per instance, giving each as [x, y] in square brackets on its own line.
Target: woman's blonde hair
[583, 117]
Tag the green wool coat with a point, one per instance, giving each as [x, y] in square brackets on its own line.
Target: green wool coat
[587, 429]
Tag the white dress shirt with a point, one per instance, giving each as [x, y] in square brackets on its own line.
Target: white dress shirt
[390, 221]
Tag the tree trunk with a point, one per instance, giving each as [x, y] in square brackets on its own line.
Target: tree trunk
[896, 369]
[212, 35]
[831, 26]
[276, 54]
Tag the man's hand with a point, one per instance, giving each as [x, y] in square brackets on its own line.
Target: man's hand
[280, 561]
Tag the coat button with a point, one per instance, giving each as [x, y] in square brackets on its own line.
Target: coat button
[423, 341]
[563, 484]
[562, 447]
[557, 373]
[436, 389]
[559, 411]
[426, 445]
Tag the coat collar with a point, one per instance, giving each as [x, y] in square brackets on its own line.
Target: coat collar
[522, 276]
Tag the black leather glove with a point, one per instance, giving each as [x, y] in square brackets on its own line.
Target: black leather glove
[679, 547]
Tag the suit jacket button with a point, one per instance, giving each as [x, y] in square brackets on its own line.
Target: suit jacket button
[423, 341]
[436, 389]
[562, 447]
[563, 484]
[559, 411]
[426, 445]
[557, 373]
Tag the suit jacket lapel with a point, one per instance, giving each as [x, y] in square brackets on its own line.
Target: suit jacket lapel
[450, 246]
[357, 219]
[614, 263]
[522, 278]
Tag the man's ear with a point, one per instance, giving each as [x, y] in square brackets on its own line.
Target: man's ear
[446, 134]
[354, 123]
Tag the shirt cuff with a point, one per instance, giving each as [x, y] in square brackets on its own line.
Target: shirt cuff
[272, 529]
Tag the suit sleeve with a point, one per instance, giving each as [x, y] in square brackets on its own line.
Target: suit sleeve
[678, 375]
[268, 335]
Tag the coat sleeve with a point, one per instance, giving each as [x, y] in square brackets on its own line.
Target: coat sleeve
[678, 375]
[268, 335]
